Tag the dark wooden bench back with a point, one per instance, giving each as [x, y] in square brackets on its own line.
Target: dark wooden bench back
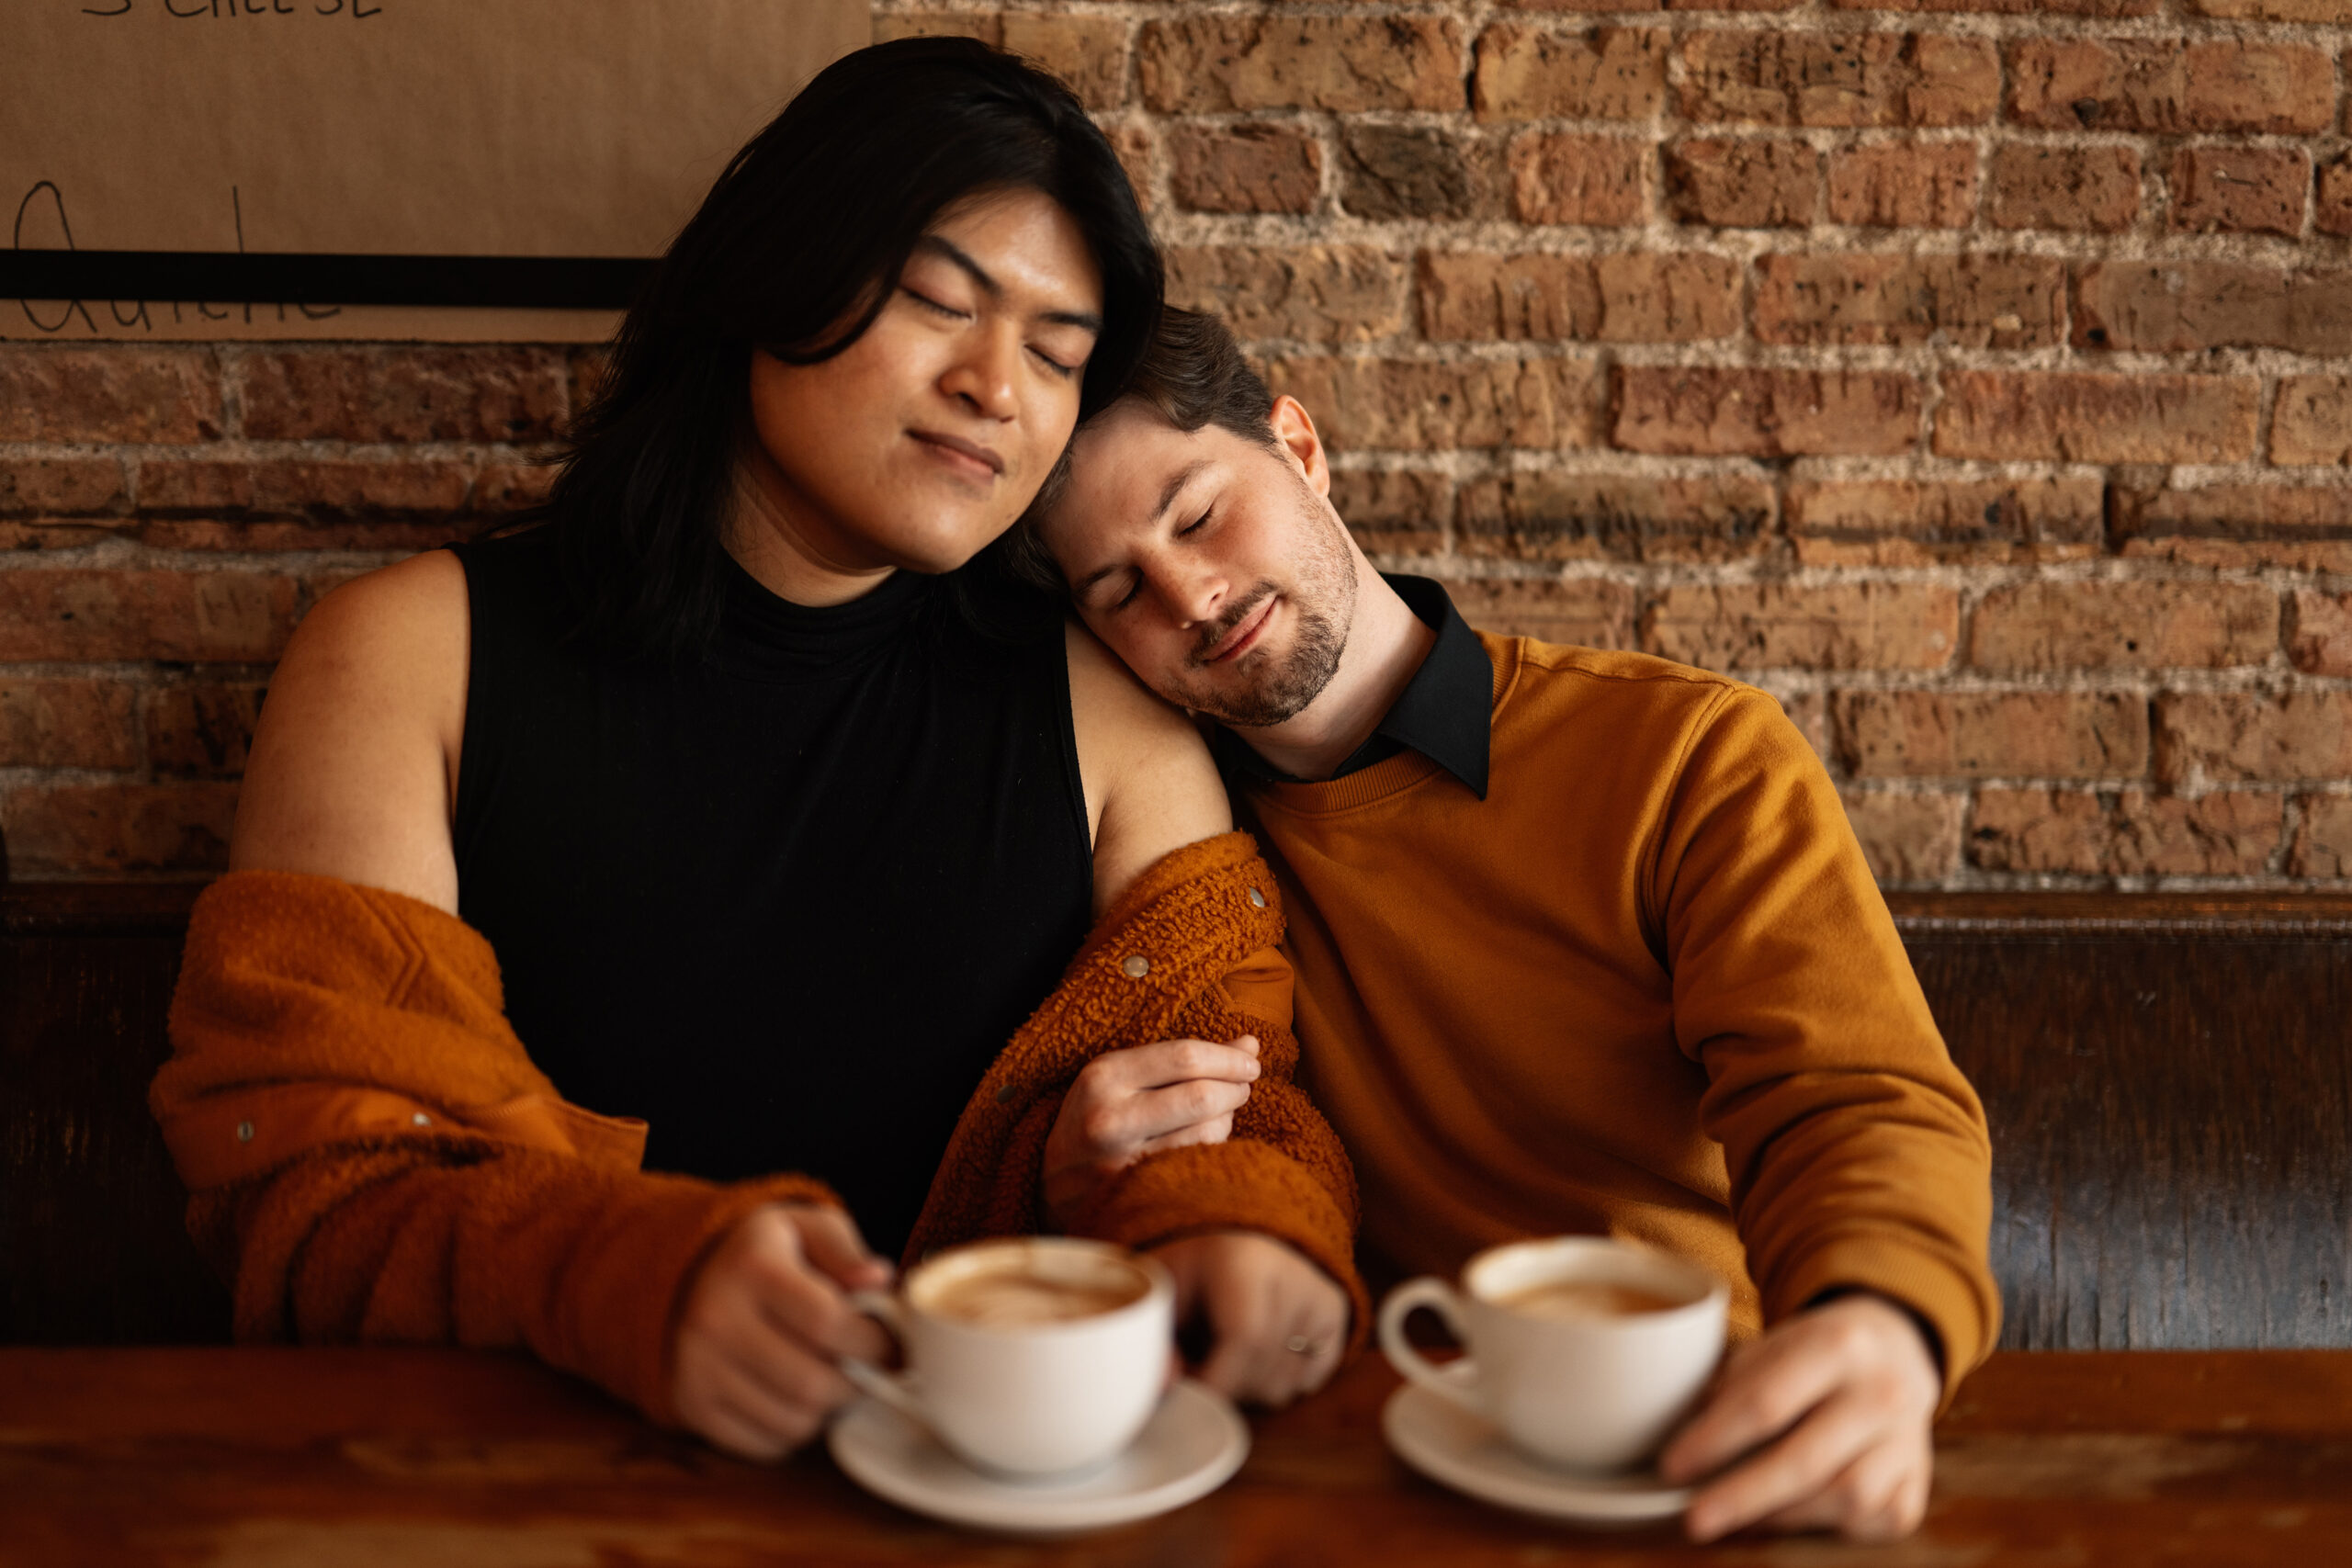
[2169, 1082]
[93, 1249]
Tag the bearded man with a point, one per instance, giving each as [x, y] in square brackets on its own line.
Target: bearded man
[1583, 943]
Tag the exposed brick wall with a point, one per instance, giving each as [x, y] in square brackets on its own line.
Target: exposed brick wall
[1974, 375]
[170, 511]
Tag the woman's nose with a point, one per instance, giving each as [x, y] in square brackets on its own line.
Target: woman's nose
[982, 375]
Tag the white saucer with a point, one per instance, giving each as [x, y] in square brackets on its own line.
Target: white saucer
[1192, 1445]
[1455, 1448]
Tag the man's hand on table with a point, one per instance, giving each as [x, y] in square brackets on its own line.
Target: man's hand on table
[1129, 1103]
[1831, 1410]
[1277, 1322]
[768, 1317]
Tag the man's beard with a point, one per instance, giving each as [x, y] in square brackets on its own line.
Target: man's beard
[1284, 688]
[1325, 602]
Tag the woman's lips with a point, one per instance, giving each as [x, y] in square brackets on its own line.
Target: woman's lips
[966, 457]
[1238, 641]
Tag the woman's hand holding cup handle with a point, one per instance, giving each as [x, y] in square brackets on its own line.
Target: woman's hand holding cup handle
[769, 1321]
[868, 1375]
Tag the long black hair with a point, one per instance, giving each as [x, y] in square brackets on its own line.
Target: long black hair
[795, 251]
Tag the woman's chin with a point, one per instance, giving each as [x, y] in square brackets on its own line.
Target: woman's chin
[938, 555]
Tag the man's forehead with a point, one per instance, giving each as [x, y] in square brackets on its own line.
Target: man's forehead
[1124, 463]
[1132, 435]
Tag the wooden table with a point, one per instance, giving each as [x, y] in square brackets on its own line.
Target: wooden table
[257, 1459]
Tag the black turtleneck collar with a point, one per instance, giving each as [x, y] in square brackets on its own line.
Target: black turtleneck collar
[764, 634]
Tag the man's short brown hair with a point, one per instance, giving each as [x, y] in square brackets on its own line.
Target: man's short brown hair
[1192, 374]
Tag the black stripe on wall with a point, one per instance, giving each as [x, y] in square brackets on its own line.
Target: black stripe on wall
[561, 283]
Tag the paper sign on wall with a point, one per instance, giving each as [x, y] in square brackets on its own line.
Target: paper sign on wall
[504, 129]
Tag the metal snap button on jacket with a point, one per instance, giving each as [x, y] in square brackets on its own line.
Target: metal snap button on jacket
[1135, 966]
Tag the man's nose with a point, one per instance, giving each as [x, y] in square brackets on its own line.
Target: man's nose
[1194, 594]
[982, 374]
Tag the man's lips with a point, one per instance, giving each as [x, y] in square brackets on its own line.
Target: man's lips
[962, 452]
[1237, 641]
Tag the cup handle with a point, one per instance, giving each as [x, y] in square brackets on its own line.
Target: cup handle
[868, 1378]
[1457, 1382]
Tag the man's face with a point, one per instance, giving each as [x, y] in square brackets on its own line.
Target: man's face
[1212, 564]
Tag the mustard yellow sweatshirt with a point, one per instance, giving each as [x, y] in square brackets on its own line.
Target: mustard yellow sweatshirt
[1647, 987]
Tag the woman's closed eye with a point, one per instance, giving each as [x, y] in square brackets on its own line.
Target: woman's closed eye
[934, 306]
[1058, 366]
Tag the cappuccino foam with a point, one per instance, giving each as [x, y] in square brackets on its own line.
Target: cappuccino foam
[1013, 1299]
[1564, 1300]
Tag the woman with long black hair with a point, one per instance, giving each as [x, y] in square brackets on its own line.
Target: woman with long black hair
[730, 795]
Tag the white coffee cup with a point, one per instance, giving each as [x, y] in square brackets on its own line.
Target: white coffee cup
[1032, 1357]
[1594, 1390]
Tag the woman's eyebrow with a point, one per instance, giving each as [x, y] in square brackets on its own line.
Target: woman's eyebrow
[995, 290]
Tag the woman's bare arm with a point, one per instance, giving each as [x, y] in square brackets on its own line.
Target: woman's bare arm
[1150, 790]
[1151, 786]
[353, 771]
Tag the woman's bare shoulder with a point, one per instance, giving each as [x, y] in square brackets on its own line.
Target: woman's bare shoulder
[353, 765]
[1150, 785]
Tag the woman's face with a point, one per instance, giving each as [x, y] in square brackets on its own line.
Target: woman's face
[924, 440]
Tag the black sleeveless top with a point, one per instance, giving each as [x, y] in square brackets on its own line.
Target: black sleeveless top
[788, 907]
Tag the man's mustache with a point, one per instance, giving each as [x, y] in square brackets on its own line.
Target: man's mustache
[1231, 619]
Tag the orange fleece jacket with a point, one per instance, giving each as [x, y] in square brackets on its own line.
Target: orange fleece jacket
[1647, 987]
[1188, 952]
[372, 1158]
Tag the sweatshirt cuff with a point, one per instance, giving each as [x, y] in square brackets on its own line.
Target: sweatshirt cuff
[618, 1319]
[1240, 1184]
[1957, 1302]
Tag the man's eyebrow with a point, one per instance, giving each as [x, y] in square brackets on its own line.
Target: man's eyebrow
[1175, 485]
[1168, 494]
[1078, 589]
[995, 290]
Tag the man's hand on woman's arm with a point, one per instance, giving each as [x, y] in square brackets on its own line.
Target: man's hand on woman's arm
[1277, 1322]
[1126, 1104]
[1826, 1415]
[766, 1325]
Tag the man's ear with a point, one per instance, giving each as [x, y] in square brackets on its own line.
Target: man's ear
[1294, 428]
